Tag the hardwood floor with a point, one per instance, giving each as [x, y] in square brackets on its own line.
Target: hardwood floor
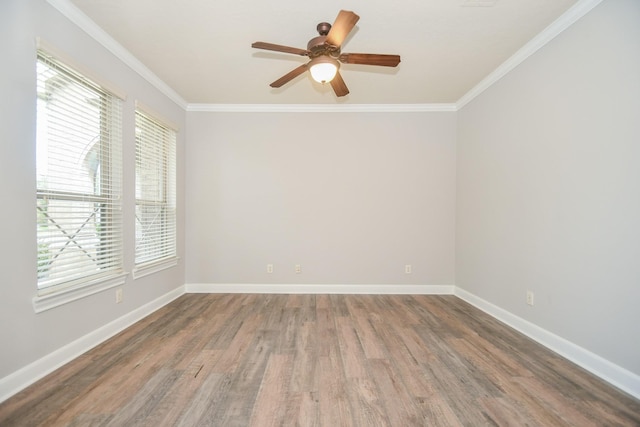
[319, 360]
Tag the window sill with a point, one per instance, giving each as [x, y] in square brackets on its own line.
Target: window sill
[64, 296]
[154, 267]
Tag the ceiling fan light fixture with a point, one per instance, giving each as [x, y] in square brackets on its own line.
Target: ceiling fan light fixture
[323, 69]
[325, 54]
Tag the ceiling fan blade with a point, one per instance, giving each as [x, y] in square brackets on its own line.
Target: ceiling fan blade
[280, 48]
[290, 76]
[370, 59]
[339, 86]
[341, 28]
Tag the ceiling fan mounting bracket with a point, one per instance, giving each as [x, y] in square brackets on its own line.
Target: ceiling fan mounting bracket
[323, 28]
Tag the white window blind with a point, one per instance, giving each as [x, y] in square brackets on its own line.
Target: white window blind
[155, 190]
[79, 169]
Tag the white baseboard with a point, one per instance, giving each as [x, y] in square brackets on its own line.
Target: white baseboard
[250, 288]
[615, 375]
[15, 382]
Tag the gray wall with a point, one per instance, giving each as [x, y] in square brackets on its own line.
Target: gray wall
[533, 185]
[548, 187]
[25, 335]
[351, 197]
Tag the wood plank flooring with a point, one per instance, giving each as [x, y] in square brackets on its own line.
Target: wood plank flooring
[319, 360]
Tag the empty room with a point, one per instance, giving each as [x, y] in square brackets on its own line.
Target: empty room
[345, 213]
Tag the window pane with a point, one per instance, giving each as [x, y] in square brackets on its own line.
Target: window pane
[68, 132]
[155, 190]
[78, 177]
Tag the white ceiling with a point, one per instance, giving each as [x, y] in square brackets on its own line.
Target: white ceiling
[202, 48]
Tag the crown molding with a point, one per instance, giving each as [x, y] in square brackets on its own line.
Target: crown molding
[75, 15]
[567, 19]
[321, 108]
[68, 9]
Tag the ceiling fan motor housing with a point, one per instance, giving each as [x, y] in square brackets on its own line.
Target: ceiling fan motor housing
[318, 46]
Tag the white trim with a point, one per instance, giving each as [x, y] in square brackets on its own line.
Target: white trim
[76, 16]
[13, 383]
[55, 298]
[254, 288]
[615, 375]
[567, 19]
[321, 108]
[604, 369]
[143, 270]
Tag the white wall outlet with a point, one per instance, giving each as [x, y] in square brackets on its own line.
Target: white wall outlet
[119, 295]
[407, 269]
[298, 269]
[269, 268]
[529, 298]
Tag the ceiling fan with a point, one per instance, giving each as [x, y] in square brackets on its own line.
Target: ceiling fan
[324, 52]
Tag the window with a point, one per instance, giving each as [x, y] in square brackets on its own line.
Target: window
[155, 190]
[78, 166]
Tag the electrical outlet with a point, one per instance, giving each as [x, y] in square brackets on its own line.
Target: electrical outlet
[407, 269]
[529, 298]
[298, 269]
[269, 268]
[119, 295]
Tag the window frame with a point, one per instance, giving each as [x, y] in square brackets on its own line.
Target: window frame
[167, 161]
[107, 203]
